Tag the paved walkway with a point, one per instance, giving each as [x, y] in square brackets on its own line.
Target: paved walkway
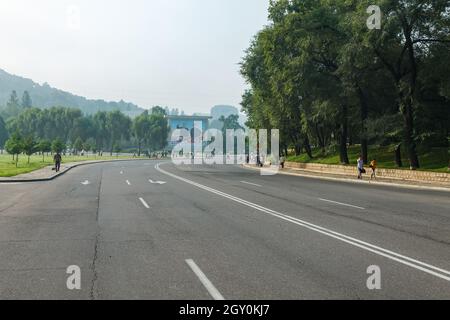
[46, 174]
[366, 179]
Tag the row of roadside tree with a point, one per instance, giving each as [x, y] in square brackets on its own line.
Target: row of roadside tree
[59, 129]
[324, 78]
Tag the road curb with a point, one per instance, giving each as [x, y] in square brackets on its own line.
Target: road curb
[347, 180]
[67, 170]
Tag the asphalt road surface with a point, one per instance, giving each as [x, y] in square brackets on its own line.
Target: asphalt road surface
[139, 230]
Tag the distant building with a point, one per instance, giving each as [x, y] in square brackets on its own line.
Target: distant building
[223, 110]
[188, 123]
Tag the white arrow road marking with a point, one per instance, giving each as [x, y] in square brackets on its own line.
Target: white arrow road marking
[157, 182]
[85, 183]
[205, 281]
[391, 255]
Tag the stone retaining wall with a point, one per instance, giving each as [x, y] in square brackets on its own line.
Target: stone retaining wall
[408, 175]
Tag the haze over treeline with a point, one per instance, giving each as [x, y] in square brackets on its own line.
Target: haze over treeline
[44, 96]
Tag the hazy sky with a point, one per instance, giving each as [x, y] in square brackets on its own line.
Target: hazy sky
[176, 53]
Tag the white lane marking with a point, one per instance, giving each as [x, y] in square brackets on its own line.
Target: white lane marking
[121, 172]
[156, 182]
[342, 204]
[204, 280]
[144, 203]
[413, 263]
[252, 184]
[85, 183]
[128, 183]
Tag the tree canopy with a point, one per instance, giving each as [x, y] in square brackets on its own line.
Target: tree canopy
[322, 77]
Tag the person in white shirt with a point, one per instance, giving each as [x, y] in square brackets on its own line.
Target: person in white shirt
[360, 167]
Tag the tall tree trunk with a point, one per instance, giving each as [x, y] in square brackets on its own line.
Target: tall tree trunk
[298, 149]
[307, 146]
[344, 136]
[364, 116]
[409, 135]
[408, 102]
[398, 156]
[320, 138]
[139, 149]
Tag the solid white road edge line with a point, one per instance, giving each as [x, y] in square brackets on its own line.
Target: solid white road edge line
[342, 204]
[413, 263]
[144, 203]
[205, 281]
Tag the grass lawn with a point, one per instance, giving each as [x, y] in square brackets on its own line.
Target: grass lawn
[436, 159]
[8, 167]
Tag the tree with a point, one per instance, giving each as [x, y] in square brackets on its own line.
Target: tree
[102, 133]
[89, 145]
[141, 128]
[3, 134]
[29, 146]
[230, 123]
[26, 100]
[159, 130]
[44, 146]
[411, 31]
[13, 100]
[58, 146]
[319, 74]
[117, 148]
[119, 127]
[12, 106]
[14, 146]
[78, 145]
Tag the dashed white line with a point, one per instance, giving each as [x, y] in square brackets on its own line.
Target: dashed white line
[128, 183]
[144, 203]
[342, 204]
[391, 255]
[252, 184]
[205, 281]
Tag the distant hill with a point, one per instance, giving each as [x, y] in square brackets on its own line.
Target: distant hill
[44, 96]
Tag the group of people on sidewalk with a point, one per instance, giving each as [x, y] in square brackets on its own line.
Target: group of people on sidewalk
[361, 170]
[360, 166]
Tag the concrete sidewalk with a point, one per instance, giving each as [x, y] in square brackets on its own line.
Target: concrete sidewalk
[47, 174]
[425, 185]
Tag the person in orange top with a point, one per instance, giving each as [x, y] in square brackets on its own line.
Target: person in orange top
[373, 166]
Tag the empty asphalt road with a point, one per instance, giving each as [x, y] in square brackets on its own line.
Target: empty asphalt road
[150, 230]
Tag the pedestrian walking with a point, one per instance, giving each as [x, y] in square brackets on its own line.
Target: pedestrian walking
[373, 166]
[57, 159]
[361, 169]
[282, 161]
